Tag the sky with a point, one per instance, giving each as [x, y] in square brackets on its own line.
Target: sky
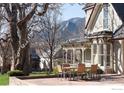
[71, 11]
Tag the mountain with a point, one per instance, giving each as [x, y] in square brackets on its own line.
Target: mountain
[72, 28]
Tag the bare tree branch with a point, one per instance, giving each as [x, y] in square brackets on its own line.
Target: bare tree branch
[29, 16]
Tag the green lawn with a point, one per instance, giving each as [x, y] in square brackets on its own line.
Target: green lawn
[4, 79]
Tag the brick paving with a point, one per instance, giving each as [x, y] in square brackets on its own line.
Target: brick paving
[109, 80]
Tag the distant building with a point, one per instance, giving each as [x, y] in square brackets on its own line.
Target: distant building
[39, 60]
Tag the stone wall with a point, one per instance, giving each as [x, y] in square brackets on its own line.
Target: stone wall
[18, 82]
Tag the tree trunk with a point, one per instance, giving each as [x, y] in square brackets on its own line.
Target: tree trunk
[3, 69]
[12, 65]
[24, 58]
[14, 36]
[51, 61]
[51, 68]
[14, 43]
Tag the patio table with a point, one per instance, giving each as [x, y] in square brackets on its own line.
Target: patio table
[65, 70]
[71, 71]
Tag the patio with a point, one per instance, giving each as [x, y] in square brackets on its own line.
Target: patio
[106, 80]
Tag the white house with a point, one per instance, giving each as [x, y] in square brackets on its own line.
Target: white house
[103, 23]
[104, 32]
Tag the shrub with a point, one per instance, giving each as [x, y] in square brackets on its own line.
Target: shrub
[100, 71]
[55, 71]
[15, 73]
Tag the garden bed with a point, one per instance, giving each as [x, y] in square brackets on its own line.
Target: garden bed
[36, 77]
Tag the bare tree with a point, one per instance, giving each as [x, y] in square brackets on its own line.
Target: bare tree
[49, 36]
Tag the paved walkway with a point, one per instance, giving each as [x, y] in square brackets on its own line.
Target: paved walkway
[108, 80]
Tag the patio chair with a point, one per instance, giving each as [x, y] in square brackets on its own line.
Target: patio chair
[78, 73]
[65, 66]
[65, 70]
[93, 72]
[80, 70]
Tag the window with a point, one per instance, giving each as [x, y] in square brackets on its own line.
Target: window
[108, 60]
[94, 48]
[78, 56]
[87, 56]
[108, 49]
[101, 58]
[101, 55]
[101, 49]
[70, 56]
[105, 16]
[94, 52]
[108, 55]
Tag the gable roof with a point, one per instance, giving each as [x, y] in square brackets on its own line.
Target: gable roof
[119, 8]
[119, 33]
[95, 11]
[90, 16]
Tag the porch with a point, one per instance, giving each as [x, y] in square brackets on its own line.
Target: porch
[88, 53]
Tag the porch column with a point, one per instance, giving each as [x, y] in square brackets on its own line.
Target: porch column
[98, 59]
[111, 57]
[73, 55]
[82, 49]
[64, 55]
[66, 59]
[122, 44]
[92, 60]
[105, 55]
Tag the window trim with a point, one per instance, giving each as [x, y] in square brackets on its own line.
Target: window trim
[103, 54]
